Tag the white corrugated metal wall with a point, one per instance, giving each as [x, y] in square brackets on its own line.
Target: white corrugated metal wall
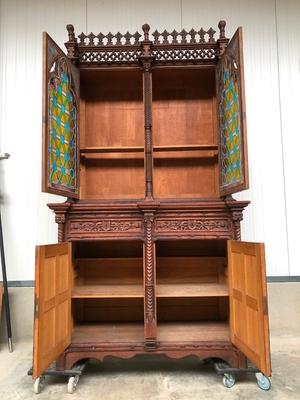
[272, 78]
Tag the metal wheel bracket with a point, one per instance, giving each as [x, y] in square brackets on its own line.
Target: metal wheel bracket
[73, 376]
[228, 373]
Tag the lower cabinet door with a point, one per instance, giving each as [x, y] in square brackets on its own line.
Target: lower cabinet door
[249, 325]
[52, 318]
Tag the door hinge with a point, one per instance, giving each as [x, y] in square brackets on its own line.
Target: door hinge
[265, 305]
[36, 306]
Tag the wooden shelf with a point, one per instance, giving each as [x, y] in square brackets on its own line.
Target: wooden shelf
[108, 291]
[140, 149]
[192, 290]
[193, 331]
[166, 332]
[116, 332]
[162, 290]
[114, 149]
[187, 147]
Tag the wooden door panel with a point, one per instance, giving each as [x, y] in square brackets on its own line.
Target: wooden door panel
[1, 298]
[52, 324]
[249, 324]
[231, 112]
[60, 122]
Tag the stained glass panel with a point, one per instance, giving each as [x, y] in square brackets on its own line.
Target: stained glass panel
[231, 118]
[230, 146]
[62, 128]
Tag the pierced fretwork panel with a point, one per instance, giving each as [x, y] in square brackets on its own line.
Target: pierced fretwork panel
[183, 55]
[109, 57]
[110, 39]
[183, 46]
[184, 37]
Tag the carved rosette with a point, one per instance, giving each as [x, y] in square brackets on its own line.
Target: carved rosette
[60, 219]
[149, 274]
[237, 217]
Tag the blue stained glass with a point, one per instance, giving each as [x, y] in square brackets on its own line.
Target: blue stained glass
[67, 126]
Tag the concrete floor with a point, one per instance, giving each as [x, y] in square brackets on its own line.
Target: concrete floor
[147, 378]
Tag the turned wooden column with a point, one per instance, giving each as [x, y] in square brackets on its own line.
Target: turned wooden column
[60, 219]
[147, 94]
[237, 217]
[150, 330]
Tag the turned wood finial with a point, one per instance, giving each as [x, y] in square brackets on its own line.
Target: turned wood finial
[221, 26]
[146, 29]
[70, 29]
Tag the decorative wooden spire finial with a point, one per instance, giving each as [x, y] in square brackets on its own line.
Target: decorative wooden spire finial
[70, 29]
[71, 44]
[221, 26]
[146, 29]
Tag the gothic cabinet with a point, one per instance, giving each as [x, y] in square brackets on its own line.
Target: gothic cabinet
[145, 135]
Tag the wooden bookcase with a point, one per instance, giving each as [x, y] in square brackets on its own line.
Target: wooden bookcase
[145, 135]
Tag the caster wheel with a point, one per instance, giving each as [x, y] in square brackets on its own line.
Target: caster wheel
[263, 381]
[228, 380]
[38, 384]
[72, 383]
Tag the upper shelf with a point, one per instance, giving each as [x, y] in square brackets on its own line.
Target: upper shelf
[113, 149]
[138, 149]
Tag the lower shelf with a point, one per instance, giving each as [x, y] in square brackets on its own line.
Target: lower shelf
[193, 332]
[120, 332]
[108, 332]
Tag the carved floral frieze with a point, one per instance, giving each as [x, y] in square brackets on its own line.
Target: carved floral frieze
[195, 224]
[106, 225]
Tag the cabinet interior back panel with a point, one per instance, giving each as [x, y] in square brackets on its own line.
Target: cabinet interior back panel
[184, 114]
[184, 107]
[185, 177]
[115, 178]
[114, 114]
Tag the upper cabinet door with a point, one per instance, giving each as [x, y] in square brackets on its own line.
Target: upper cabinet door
[60, 122]
[249, 324]
[232, 118]
[52, 319]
